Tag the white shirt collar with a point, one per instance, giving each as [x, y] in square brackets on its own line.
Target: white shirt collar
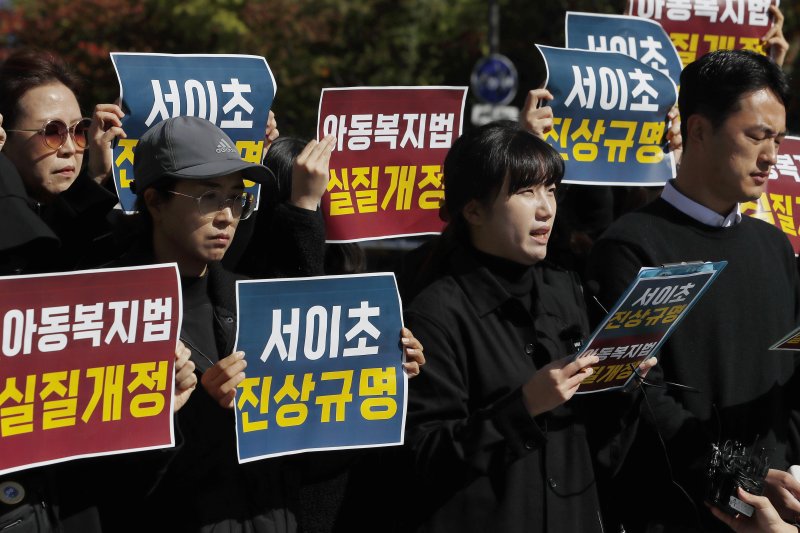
[699, 212]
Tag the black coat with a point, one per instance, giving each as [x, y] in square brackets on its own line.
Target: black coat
[482, 463]
[199, 485]
[67, 234]
[203, 487]
[744, 391]
[72, 232]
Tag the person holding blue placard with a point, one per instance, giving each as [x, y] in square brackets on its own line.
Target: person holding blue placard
[191, 198]
[497, 444]
[732, 105]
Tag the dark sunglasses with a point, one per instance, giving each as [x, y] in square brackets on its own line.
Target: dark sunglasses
[54, 133]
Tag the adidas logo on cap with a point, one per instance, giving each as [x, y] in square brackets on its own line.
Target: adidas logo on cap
[224, 146]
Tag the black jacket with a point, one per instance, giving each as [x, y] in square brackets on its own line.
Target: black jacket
[278, 241]
[721, 348]
[72, 232]
[203, 487]
[67, 234]
[482, 463]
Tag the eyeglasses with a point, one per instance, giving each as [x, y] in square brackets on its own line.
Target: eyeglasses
[212, 202]
[54, 133]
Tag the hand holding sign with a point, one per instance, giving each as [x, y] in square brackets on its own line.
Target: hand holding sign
[674, 137]
[106, 126]
[412, 349]
[185, 378]
[775, 43]
[221, 380]
[271, 133]
[536, 117]
[555, 383]
[310, 173]
[641, 371]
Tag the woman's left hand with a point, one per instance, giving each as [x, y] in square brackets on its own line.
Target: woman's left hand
[413, 351]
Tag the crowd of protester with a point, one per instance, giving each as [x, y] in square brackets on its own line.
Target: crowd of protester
[496, 439]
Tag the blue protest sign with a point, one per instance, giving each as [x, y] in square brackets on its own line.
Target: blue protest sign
[609, 117]
[234, 92]
[641, 39]
[494, 79]
[324, 365]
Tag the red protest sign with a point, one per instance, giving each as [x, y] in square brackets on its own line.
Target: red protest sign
[86, 363]
[386, 169]
[778, 204]
[697, 27]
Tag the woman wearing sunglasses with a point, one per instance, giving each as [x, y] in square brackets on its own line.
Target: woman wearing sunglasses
[47, 138]
[52, 212]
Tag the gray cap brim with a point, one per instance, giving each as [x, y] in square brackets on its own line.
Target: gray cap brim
[216, 169]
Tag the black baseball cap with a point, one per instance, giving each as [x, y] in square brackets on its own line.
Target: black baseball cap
[189, 148]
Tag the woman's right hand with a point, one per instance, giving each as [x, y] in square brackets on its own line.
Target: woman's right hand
[556, 383]
[221, 380]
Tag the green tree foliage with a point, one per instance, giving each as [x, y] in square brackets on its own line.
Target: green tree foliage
[308, 44]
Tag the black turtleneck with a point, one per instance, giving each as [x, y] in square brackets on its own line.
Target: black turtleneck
[515, 278]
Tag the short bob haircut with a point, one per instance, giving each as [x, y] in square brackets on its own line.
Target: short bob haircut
[713, 85]
[26, 69]
[482, 159]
